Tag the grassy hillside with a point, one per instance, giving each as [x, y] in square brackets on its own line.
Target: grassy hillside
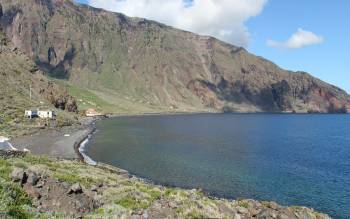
[51, 191]
[17, 75]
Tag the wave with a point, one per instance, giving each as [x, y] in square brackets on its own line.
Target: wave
[82, 151]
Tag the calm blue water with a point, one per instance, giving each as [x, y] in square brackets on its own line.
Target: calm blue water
[291, 159]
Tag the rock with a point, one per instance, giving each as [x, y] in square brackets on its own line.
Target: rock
[40, 184]
[145, 214]
[237, 216]
[273, 205]
[19, 175]
[97, 201]
[94, 188]
[37, 194]
[254, 211]
[282, 216]
[75, 188]
[266, 214]
[33, 178]
[172, 204]
[242, 210]
[65, 185]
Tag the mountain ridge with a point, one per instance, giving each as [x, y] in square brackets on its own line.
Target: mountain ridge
[137, 63]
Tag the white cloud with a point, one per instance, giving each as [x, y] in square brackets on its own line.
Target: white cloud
[299, 39]
[224, 19]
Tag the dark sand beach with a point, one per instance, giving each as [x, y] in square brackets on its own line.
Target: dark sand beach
[55, 142]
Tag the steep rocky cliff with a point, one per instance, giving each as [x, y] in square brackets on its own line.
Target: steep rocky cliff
[156, 65]
[23, 86]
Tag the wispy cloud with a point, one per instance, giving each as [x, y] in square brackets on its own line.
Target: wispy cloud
[299, 39]
[224, 19]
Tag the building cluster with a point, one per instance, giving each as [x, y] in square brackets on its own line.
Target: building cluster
[36, 113]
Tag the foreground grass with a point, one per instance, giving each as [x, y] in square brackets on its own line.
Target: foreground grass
[14, 202]
[120, 195]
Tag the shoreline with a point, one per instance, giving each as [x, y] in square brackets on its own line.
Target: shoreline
[79, 147]
[89, 129]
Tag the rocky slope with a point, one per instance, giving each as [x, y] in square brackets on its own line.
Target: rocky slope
[40, 187]
[19, 75]
[131, 60]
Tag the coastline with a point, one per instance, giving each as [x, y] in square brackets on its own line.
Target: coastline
[80, 144]
[85, 131]
[56, 142]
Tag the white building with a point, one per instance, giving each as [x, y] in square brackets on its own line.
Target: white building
[5, 144]
[46, 114]
[31, 113]
[92, 113]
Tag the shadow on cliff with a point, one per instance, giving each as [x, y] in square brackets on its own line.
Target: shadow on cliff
[60, 70]
[275, 98]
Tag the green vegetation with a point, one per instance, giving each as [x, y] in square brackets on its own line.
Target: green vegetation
[5, 169]
[243, 203]
[14, 202]
[122, 196]
[23, 87]
[132, 203]
[86, 99]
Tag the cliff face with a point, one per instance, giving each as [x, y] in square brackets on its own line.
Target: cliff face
[157, 65]
[20, 76]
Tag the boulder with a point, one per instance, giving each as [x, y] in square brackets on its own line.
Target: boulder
[242, 210]
[266, 214]
[94, 188]
[237, 216]
[33, 178]
[75, 189]
[19, 175]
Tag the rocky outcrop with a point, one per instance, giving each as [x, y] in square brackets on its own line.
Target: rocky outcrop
[60, 99]
[52, 195]
[156, 64]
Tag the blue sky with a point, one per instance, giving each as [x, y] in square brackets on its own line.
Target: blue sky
[331, 19]
[251, 23]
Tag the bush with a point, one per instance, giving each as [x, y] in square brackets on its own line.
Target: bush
[13, 201]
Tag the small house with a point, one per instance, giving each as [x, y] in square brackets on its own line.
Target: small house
[5, 144]
[31, 113]
[46, 114]
[92, 113]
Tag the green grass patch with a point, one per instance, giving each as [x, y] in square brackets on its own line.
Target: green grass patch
[14, 202]
[170, 192]
[243, 204]
[154, 193]
[87, 99]
[35, 160]
[5, 169]
[133, 203]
